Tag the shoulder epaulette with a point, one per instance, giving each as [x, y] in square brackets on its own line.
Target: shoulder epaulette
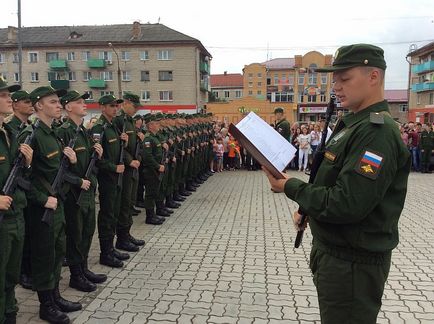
[8, 119]
[376, 118]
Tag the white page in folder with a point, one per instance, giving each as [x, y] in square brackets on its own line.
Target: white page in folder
[267, 140]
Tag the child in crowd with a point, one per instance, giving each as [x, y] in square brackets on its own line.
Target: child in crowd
[219, 154]
[303, 150]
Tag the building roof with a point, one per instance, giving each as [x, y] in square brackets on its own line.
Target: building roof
[396, 95]
[84, 35]
[427, 47]
[280, 63]
[226, 80]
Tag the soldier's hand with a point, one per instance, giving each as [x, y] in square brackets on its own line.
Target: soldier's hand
[70, 153]
[170, 141]
[161, 168]
[27, 152]
[135, 164]
[51, 203]
[278, 185]
[141, 136]
[188, 151]
[165, 146]
[99, 150]
[174, 160]
[120, 168]
[5, 202]
[193, 148]
[85, 185]
[182, 153]
[124, 137]
[296, 218]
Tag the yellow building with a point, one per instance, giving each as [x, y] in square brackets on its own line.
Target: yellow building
[290, 83]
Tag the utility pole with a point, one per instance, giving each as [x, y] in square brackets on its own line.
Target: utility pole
[119, 70]
[20, 46]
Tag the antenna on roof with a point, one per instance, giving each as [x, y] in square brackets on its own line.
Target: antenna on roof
[267, 50]
[158, 20]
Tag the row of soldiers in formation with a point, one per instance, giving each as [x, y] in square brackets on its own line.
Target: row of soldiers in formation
[49, 210]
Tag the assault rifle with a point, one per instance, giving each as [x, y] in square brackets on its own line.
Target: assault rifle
[121, 155]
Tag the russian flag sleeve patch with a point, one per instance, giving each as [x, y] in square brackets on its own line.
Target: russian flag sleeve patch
[369, 164]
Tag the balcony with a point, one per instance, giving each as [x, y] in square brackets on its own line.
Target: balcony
[96, 83]
[419, 87]
[58, 64]
[203, 86]
[204, 67]
[96, 63]
[424, 67]
[60, 84]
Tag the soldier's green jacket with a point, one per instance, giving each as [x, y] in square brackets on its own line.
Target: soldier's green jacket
[426, 139]
[16, 124]
[130, 130]
[152, 153]
[360, 188]
[283, 128]
[7, 158]
[111, 145]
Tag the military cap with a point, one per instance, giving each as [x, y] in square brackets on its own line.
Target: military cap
[108, 99]
[73, 96]
[151, 117]
[158, 116]
[350, 56]
[278, 110]
[171, 116]
[137, 117]
[20, 95]
[11, 88]
[135, 99]
[189, 116]
[45, 91]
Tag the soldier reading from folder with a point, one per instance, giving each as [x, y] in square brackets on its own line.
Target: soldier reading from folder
[354, 204]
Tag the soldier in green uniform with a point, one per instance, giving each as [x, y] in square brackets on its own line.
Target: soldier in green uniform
[11, 208]
[124, 120]
[140, 129]
[282, 125]
[426, 145]
[23, 109]
[153, 167]
[48, 241]
[358, 194]
[80, 219]
[110, 167]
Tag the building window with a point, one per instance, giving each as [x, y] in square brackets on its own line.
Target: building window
[323, 98]
[301, 78]
[313, 78]
[404, 107]
[431, 99]
[90, 95]
[250, 75]
[276, 79]
[16, 77]
[125, 56]
[107, 76]
[70, 56]
[165, 55]
[259, 92]
[259, 84]
[291, 79]
[146, 95]
[126, 76]
[166, 96]
[144, 55]
[418, 99]
[238, 94]
[311, 98]
[105, 93]
[259, 75]
[165, 75]
[323, 78]
[250, 84]
[87, 75]
[250, 92]
[215, 94]
[85, 55]
[53, 76]
[144, 76]
[16, 58]
[33, 57]
[227, 94]
[2, 58]
[106, 55]
[300, 97]
[52, 56]
[34, 77]
[72, 76]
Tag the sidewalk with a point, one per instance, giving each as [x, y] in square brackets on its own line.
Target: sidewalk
[227, 256]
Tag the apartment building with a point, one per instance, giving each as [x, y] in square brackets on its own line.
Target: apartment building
[421, 84]
[226, 86]
[168, 69]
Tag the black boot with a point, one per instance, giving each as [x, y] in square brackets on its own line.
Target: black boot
[140, 204]
[48, 311]
[160, 209]
[190, 187]
[123, 242]
[92, 277]
[64, 305]
[135, 241]
[26, 281]
[178, 197]
[120, 255]
[10, 318]
[170, 203]
[153, 219]
[79, 281]
[106, 257]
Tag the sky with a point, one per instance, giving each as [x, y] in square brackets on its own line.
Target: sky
[237, 33]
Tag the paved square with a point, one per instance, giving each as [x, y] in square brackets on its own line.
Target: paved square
[227, 256]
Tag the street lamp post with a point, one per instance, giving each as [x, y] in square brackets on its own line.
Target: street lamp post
[119, 70]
